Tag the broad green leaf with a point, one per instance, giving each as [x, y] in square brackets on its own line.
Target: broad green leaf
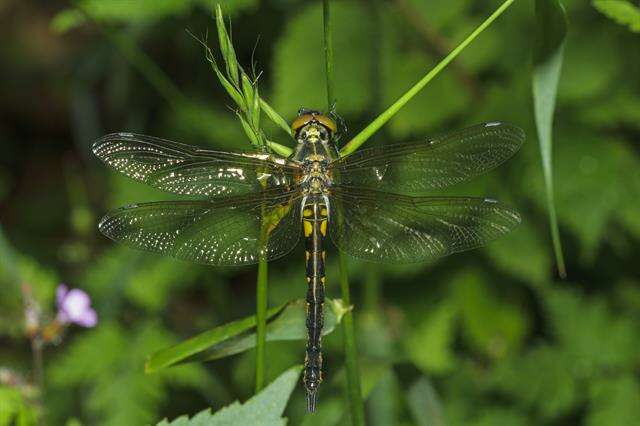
[15, 409]
[125, 11]
[542, 380]
[263, 409]
[547, 62]
[491, 325]
[605, 166]
[424, 404]
[622, 11]
[107, 362]
[286, 322]
[522, 254]
[437, 333]
[298, 67]
[613, 401]
[441, 102]
[590, 332]
[492, 416]
[589, 83]
[384, 402]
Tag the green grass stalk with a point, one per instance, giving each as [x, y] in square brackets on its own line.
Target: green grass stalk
[385, 116]
[261, 324]
[354, 391]
[328, 52]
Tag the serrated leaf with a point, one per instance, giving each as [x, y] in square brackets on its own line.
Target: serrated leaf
[590, 332]
[107, 361]
[263, 409]
[541, 379]
[547, 62]
[286, 322]
[621, 11]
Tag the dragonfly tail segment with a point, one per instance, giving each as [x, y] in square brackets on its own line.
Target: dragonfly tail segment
[314, 221]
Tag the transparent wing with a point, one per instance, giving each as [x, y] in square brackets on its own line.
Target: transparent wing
[383, 227]
[416, 168]
[188, 170]
[224, 232]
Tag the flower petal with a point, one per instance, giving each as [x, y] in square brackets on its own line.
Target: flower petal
[61, 292]
[88, 319]
[75, 304]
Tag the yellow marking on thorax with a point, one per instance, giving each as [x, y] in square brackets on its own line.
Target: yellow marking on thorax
[323, 228]
[308, 228]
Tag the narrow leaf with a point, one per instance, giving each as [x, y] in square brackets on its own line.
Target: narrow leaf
[283, 150]
[621, 11]
[255, 110]
[253, 137]
[226, 47]
[264, 409]
[275, 117]
[201, 342]
[424, 404]
[286, 322]
[547, 63]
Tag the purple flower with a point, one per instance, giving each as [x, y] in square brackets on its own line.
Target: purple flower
[74, 306]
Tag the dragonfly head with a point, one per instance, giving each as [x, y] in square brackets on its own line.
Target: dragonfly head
[312, 126]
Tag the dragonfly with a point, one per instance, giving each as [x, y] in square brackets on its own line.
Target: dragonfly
[373, 204]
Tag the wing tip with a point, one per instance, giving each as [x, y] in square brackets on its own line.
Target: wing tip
[519, 135]
[505, 209]
[98, 145]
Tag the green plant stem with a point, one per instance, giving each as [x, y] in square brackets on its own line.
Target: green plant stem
[328, 52]
[38, 373]
[354, 392]
[555, 233]
[385, 116]
[261, 324]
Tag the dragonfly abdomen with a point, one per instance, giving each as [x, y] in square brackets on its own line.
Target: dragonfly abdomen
[314, 221]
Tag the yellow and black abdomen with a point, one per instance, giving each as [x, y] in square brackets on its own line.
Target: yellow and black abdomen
[315, 222]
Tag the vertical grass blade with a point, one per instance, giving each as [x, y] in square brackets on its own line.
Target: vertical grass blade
[261, 324]
[354, 391]
[551, 26]
[328, 52]
[385, 116]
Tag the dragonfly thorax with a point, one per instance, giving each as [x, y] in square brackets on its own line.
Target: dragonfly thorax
[316, 178]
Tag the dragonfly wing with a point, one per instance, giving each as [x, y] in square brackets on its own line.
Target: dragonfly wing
[188, 170]
[215, 232]
[416, 168]
[384, 227]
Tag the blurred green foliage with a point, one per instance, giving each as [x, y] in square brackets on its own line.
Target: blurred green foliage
[482, 338]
